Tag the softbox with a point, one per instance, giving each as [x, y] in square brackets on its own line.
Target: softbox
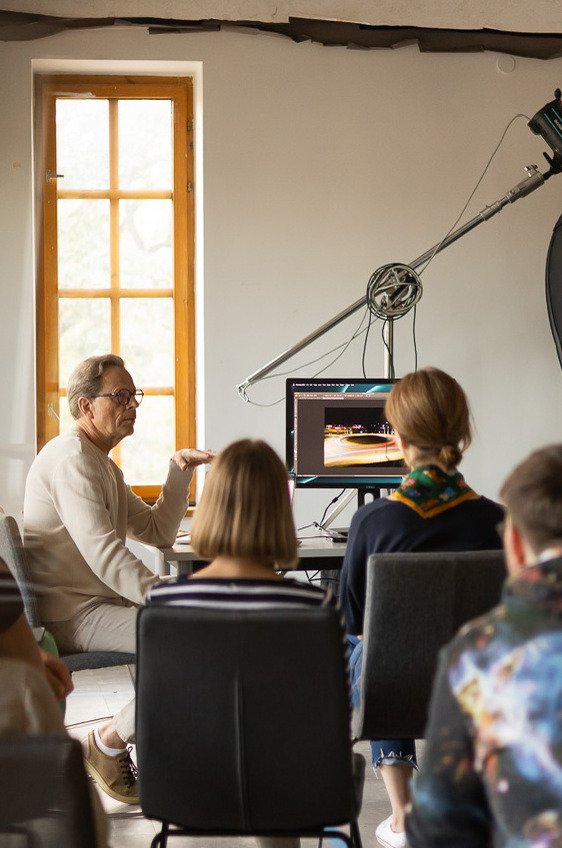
[554, 286]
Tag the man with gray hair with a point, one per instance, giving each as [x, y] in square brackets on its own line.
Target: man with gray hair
[492, 770]
[78, 511]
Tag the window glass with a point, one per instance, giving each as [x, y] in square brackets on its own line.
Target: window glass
[82, 144]
[145, 244]
[117, 263]
[146, 454]
[83, 244]
[151, 319]
[84, 330]
[145, 144]
[66, 419]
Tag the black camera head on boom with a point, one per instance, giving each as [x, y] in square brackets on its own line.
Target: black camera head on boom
[548, 123]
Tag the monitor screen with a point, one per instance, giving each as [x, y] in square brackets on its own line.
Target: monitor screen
[338, 436]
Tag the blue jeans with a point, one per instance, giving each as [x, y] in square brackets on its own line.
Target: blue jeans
[383, 751]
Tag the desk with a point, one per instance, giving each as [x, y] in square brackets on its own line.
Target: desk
[314, 555]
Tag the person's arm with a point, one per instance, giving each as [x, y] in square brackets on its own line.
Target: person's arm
[18, 642]
[186, 458]
[353, 578]
[449, 804]
[58, 676]
[87, 509]
[158, 525]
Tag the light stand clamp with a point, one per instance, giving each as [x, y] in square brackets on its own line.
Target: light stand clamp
[393, 290]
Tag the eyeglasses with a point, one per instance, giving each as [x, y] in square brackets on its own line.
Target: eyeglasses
[124, 396]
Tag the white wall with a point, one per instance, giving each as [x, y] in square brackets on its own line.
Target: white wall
[320, 165]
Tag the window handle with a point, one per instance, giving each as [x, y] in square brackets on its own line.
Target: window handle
[51, 175]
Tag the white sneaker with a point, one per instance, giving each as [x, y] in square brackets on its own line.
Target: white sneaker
[387, 837]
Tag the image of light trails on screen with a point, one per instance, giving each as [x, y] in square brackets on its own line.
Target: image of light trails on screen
[338, 435]
[358, 436]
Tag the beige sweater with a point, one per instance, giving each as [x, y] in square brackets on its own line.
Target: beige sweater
[77, 512]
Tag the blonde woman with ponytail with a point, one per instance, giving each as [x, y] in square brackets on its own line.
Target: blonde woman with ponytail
[434, 509]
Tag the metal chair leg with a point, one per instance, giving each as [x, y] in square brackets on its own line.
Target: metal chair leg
[355, 834]
[161, 839]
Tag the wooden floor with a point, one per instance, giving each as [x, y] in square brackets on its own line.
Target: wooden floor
[100, 693]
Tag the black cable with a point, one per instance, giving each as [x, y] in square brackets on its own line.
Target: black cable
[473, 192]
[317, 577]
[365, 343]
[326, 353]
[358, 332]
[332, 580]
[458, 218]
[333, 501]
[390, 354]
[314, 576]
[343, 345]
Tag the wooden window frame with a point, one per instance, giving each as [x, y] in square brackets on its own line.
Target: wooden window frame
[180, 91]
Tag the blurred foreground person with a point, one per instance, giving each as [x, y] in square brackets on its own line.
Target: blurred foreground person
[32, 681]
[492, 771]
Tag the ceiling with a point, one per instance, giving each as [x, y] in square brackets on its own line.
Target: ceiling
[435, 25]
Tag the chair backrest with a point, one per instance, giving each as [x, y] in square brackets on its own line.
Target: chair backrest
[13, 554]
[415, 604]
[45, 793]
[243, 719]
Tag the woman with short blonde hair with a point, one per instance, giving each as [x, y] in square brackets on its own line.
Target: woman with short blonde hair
[244, 525]
[433, 509]
[245, 509]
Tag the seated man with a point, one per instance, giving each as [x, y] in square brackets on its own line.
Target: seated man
[77, 513]
[492, 772]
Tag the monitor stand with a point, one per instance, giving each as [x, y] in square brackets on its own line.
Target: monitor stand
[363, 491]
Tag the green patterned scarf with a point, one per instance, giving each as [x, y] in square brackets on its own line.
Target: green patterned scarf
[429, 491]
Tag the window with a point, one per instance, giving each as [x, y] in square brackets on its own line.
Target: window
[117, 255]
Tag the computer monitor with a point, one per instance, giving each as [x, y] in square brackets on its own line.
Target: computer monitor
[337, 434]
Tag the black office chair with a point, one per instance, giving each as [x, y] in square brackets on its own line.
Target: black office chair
[12, 552]
[45, 800]
[415, 604]
[243, 723]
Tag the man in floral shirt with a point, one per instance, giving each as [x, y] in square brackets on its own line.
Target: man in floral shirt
[492, 773]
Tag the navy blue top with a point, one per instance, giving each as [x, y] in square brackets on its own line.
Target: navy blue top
[386, 525]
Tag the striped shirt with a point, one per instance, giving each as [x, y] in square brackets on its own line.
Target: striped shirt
[225, 593]
[230, 594]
